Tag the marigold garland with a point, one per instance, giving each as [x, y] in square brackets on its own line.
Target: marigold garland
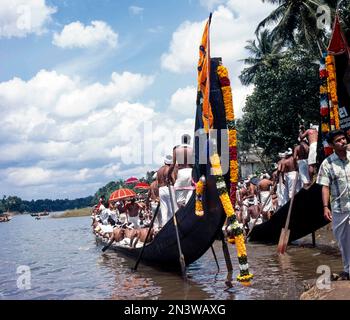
[232, 132]
[324, 106]
[199, 194]
[234, 229]
[332, 88]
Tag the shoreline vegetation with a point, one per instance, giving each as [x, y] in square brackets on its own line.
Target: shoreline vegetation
[84, 212]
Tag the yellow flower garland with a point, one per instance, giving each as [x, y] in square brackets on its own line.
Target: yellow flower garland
[234, 228]
[199, 193]
[232, 133]
[332, 89]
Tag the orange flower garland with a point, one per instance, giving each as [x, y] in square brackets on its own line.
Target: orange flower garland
[232, 132]
[325, 110]
[332, 89]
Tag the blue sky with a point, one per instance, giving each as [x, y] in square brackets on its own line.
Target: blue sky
[93, 91]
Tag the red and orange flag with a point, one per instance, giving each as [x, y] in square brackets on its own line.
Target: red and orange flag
[204, 77]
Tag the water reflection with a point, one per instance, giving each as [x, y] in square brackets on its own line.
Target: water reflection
[67, 263]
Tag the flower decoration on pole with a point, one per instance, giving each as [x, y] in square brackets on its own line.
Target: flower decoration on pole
[234, 229]
[232, 132]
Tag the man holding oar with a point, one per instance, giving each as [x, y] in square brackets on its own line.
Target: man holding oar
[334, 176]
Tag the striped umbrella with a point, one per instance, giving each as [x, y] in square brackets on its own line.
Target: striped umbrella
[131, 180]
[122, 194]
[142, 186]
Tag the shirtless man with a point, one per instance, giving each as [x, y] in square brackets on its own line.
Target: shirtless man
[312, 137]
[253, 217]
[164, 196]
[290, 171]
[301, 154]
[248, 198]
[132, 211]
[282, 192]
[183, 162]
[265, 191]
[243, 211]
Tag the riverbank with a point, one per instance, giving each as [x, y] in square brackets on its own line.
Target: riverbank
[84, 212]
[338, 290]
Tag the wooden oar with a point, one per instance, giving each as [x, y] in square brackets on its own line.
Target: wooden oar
[216, 260]
[181, 256]
[148, 233]
[284, 236]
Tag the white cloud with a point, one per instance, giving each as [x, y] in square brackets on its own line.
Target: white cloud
[134, 10]
[23, 177]
[231, 27]
[44, 146]
[76, 35]
[210, 4]
[53, 93]
[18, 18]
[183, 101]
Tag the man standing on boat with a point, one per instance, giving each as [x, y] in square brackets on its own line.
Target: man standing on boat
[290, 171]
[164, 196]
[183, 162]
[265, 186]
[301, 154]
[282, 192]
[312, 136]
[334, 176]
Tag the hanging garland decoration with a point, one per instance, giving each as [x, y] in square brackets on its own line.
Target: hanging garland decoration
[235, 230]
[332, 89]
[199, 194]
[232, 132]
[324, 106]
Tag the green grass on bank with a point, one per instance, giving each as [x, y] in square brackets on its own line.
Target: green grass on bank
[74, 213]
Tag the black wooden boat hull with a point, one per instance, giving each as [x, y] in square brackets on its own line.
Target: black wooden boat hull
[306, 217]
[196, 234]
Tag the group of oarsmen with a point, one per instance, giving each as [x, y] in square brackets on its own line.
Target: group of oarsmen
[124, 220]
[257, 202]
[172, 183]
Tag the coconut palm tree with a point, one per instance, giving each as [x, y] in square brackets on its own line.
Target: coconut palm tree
[265, 52]
[296, 21]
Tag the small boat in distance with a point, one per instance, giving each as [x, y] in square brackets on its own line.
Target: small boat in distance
[39, 214]
[5, 217]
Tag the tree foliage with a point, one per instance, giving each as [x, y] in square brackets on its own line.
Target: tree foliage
[263, 53]
[283, 95]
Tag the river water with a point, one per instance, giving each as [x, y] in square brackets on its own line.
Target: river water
[61, 260]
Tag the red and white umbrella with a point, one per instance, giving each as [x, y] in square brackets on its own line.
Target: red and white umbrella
[131, 180]
[122, 194]
[142, 186]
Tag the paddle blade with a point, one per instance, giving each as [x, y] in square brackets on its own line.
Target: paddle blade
[107, 246]
[283, 241]
[183, 267]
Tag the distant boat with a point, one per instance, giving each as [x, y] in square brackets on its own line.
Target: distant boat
[5, 218]
[40, 214]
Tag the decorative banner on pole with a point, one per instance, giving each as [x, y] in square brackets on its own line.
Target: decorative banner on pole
[204, 77]
[339, 53]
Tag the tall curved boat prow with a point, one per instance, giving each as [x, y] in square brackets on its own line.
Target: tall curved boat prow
[196, 233]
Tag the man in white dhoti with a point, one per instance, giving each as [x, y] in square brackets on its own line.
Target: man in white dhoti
[182, 162]
[301, 154]
[282, 192]
[334, 176]
[312, 136]
[164, 196]
[265, 191]
[291, 173]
